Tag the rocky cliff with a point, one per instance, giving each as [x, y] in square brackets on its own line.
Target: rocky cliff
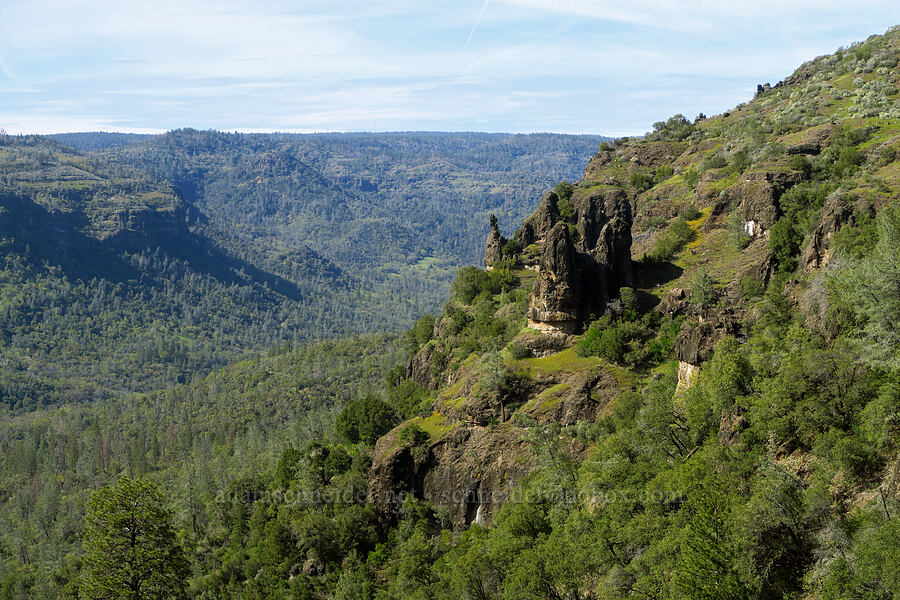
[714, 226]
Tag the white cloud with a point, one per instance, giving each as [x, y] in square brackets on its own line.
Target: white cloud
[344, 64]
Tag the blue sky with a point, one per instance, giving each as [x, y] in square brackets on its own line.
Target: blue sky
[578, 66]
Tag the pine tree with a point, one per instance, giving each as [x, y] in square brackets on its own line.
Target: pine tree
[706, 566]
[131, 549]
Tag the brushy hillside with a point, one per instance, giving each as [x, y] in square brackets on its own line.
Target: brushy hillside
[728, 427]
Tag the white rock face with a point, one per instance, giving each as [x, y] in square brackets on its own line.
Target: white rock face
[686, 375]
[752, 228]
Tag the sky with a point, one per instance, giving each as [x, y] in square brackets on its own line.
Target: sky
[573, 66]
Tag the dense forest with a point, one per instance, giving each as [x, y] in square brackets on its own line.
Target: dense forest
[135, 266]
[725, 425]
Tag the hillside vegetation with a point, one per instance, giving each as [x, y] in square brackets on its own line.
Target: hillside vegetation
[726, 424]
[136, 265]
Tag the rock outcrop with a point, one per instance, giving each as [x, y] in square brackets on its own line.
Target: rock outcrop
[493, 249]
[556, 299]
[584, 261]
[836, 213]
[541, 222]
[471, 469]
[696, 340]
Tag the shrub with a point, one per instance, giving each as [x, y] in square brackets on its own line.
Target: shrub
[519, 351]
[689, 213]
[751, 288]
[629, 303]
[703, 294]
[801, 163]
[413, 435]
[737, 235]
[691, 176]
[671, 241]
[640, 181]
[714, 161]
[784, 241]
[469, 282]
[663, 172]
[604, 147]
[511, 248]
[564, 190]
[608, 343]
[740, 161]
[676, 128]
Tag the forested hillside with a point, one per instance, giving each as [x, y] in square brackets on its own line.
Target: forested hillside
[138, 265]
[678, 378]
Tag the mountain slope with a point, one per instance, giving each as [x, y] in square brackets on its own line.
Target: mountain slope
[139, 264]
[717, 418]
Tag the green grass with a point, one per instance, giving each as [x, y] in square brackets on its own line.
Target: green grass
[566, 361]
[436, 425]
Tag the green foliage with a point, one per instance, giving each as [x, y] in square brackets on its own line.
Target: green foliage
[784, 241]
[413, 435]
[751, 287]
[856, 240]
[519, 351]
[871, 285]
[511, 248]
[472, 282]
[131, 548]
[629, 300]
[607, 343]
[676, 128]
[663, 172]
[564, 190]
[419, 334]
[640, 181]
[691, 176]
[365, 420]
[672, 240]
[801, 163]
[689, 212]
[703, 293]
[707, 563]
[740, 161]
[738, 238]
[871, 568]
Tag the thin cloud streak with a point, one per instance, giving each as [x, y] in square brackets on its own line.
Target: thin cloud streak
[477, 21]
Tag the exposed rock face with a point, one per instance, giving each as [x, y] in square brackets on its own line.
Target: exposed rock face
[541, 222]
[836, 213]
[686, 375]
[583, 263]
[695, 343]
[731, 426]
[493, 249]
[420, 367]
[471, 469]
[696, 340]
[603, 234]
[556, 298]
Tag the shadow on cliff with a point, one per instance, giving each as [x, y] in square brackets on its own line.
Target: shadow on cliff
[57, 239]
[651, 274]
